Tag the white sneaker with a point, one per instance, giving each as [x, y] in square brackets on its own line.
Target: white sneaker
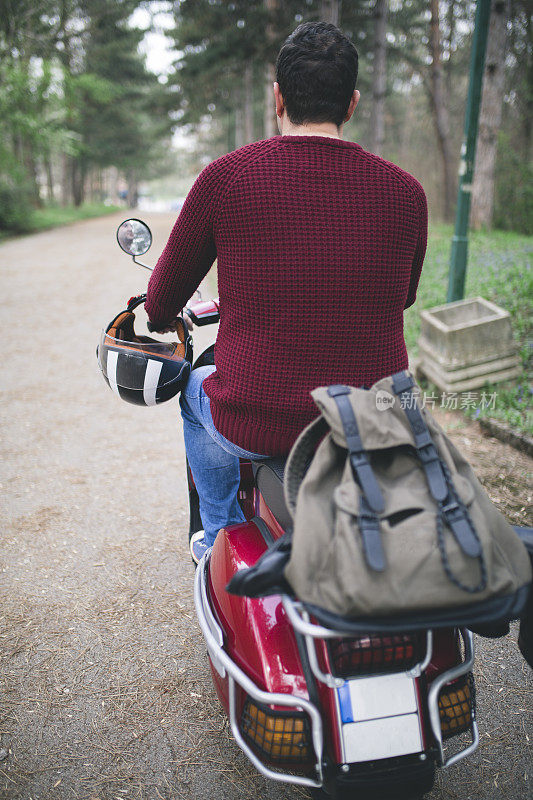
[197, 546]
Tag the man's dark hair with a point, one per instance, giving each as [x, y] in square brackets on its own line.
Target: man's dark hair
[316, 70]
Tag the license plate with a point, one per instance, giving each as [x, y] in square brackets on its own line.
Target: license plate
[379, 717]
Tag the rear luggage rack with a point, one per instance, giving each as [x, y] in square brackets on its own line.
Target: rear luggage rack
[301, 621]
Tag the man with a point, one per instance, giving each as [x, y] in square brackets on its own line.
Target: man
[319, 248]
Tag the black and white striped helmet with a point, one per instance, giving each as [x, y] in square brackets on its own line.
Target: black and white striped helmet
[141, 370]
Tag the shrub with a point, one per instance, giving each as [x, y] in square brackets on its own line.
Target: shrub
[15, 207]
[513, 202]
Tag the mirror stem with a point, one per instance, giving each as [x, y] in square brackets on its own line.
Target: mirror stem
[141, 264]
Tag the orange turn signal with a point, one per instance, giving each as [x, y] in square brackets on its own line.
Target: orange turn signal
[281, 736]
[456, 706]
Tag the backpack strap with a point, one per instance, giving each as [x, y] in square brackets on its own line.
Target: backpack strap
[442, 492]
[371, 498]
[402, 384]
[297, 465]
[358, 455]
[371, 536]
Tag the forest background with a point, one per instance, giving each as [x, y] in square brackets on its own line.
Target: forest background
[83, 118]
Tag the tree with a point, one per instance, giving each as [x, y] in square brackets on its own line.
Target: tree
[74, 92]
[513, 204]
[220, 54]
[428, 54]
[119, 110]
[490, 117]
[379, 76]
[330, 11]
[216, 40]
[439, 101]
[26, 81]
[269, 120]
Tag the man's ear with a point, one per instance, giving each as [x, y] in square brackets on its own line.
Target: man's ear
[280, 104]
[353, 103]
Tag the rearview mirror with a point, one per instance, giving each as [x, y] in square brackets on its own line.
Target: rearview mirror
[134, 237]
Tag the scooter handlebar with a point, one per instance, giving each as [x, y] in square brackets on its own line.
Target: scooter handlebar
[203, 312]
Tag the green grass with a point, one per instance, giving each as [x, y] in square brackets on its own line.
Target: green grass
[499, 269]
[52, 216]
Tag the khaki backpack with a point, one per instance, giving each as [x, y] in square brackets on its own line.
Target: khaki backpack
[390, 521]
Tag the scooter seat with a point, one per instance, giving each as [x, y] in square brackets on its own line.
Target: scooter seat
[269, 480]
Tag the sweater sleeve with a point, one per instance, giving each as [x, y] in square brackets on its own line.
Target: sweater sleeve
[420, 250]
[189, 252]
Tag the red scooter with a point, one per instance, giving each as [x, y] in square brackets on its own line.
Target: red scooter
[347, 717]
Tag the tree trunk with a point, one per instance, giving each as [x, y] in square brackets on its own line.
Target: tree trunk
[66, 180]
[133, 189]
[30, 165]
[490, 117]
[95, 185]
[528, 116]
[230, 130]
[112, 184]
[270, 127]
[409, 124]
[17, 146]
[239, 126]
[379, 77]
[49, 177]
[77, 182]
[439, 103]
[452, 25]
[330, 11]
[248, 103]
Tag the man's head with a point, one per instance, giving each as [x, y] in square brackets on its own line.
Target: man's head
[127, 231]
[316, 72]
[126, 234]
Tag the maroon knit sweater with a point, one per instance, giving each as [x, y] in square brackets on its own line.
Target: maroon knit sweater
[319, 247]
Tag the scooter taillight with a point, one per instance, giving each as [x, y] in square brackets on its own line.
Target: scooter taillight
[374, 654]
[280, 736]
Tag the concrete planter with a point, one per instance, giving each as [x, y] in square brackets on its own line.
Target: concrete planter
[466, 344]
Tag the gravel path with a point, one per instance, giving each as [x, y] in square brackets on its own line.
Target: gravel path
[105, 688]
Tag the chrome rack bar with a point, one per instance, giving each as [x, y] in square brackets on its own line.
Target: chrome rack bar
[237, 676]
[433, 703]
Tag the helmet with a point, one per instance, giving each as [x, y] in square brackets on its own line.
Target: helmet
[141, 370]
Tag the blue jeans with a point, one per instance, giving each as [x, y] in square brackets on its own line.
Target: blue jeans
[214, 461]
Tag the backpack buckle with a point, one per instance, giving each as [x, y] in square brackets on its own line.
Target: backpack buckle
[338, 389]
[371, 537]
[358, 458]
[428, 453]
[430, 459]
[461, 528]
[450, 510]
[401, 382]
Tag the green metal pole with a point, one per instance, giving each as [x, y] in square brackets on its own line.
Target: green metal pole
[459, 253]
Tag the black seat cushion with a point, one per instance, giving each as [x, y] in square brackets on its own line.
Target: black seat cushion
[269, 480]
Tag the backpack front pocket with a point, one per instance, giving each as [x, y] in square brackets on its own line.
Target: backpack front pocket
[415, 575]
